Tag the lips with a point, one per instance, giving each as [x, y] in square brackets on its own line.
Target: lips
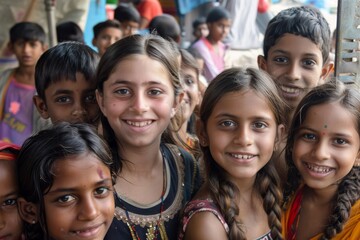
[87, 231]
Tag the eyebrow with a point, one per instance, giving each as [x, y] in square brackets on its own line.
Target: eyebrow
[221, 115]
[151, 82]
[10, 194]
[286, 52]
[316, 131]
[62, 91]
[106, 181]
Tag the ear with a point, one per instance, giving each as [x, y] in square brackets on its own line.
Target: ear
[176, 104]
[201, 133]
[281, 133]
[357, 160]
[94, 42]
[10, 46]
[261, 61]
[100, 101]
[41, 107]
[28, 211]
[325, 71]
[45, 47]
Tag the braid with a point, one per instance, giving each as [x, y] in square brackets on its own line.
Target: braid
[348, 194]
[268, 183]
[224, 192]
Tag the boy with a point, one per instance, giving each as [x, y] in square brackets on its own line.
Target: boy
[296, 52]
[105, 34]
[65, 84]
[18, 117]
[129, 18]
[296, 55]
[200, 28]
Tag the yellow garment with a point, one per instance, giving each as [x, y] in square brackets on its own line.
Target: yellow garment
[351, 229]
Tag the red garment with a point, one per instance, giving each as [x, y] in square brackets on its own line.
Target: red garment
[149, 9]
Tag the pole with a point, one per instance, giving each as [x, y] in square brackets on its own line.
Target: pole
[50, 15]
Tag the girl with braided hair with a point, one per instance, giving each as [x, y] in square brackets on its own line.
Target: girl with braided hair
[321, 196]
[239, 128]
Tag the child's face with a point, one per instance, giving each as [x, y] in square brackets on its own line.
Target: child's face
[10, 222]
[241, 138]
[138, 100]
[219, 30]
[70, 101]
[80, 203]
[129, 27]
[27, 52]
[191, 91]
[326, 145]
[296, 65]
[107, 37]
[201, 31]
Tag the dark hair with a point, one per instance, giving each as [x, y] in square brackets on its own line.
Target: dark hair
[62, 62]
[267, 180]
[27, 31]
[125, 12]
[98, 28]
[154, 47]
[349, 188]
[198, 21]
[217, 14]
[165, 26]
[189, 61]
[69, 31]
[303, 21]
[38, 155]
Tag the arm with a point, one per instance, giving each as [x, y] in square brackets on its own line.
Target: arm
[205, 226]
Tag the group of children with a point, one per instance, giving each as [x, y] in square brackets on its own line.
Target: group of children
[118, 161]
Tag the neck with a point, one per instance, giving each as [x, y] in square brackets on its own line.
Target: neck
[212, 41]
[141, 161]
[183, 132]
[320, 196]
[25, 75]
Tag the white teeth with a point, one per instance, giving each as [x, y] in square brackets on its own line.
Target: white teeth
[139, 124]
[290, 90]
[318, 169]
[242, 156]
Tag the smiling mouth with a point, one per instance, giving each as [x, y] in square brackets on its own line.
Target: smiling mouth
[88, 232]
[139, 124]
[242, 156]
[290, 90]
[318, 169]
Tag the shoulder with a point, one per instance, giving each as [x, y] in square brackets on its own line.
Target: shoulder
[205, 225]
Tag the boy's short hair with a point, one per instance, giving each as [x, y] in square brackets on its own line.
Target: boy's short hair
[303, 21]
[69, 31]
[98, 28]
[27, 31]
[125, 12]
[198, 21]
[166, 26]
[62, 62]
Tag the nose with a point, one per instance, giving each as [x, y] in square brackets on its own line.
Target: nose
[294, 72]
[139, 103]
[88, 209]
[243, 136]
[321, 151]
[26, 47]
[79, 110]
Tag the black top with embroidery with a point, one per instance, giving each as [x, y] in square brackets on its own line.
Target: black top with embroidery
[183, 181]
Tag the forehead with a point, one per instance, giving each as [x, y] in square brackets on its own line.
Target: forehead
[329, 116]
[79, 83]
[110, 31]
[296, 45]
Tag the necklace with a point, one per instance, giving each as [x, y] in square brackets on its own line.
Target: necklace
[154, 232]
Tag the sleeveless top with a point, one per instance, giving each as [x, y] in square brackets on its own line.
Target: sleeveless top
[206, 205]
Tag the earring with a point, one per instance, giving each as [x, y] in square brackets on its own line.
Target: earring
[203, 142]
[357, 164]
[33, 221]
